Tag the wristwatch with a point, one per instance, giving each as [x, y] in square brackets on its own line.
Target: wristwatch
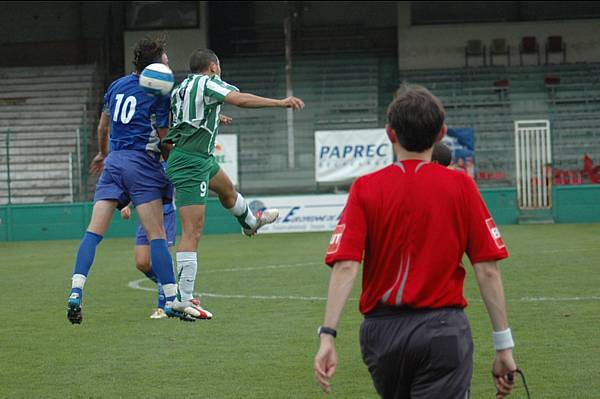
[326, 330]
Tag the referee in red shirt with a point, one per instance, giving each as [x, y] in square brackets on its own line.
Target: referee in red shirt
[411, 223]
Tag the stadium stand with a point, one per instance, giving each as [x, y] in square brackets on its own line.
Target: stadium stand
[45, 119]
[570, 100]
[341, 93]
[43, 108]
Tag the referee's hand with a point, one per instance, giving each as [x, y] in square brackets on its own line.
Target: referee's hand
[325, 362]
[504, 365]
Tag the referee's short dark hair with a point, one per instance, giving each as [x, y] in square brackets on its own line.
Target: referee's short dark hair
[417, 116]
[201, 59]
[148, 51]
[441, 154]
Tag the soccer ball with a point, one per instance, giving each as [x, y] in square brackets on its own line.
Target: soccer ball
[157, 79]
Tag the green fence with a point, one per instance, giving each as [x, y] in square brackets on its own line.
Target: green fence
[68, 221]
[572, 204]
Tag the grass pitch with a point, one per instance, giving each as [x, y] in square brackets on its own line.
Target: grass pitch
[266, 294]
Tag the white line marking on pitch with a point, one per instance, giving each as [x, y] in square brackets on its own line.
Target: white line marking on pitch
[136, 285]
[267, 267]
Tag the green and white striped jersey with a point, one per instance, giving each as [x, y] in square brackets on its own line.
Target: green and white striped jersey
[195, 107]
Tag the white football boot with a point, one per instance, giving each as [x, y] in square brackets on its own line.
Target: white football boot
[263, 218]
[192, 309]
[158, 314]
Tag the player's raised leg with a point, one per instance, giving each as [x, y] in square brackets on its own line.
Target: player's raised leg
[101, 217]
[236, 204]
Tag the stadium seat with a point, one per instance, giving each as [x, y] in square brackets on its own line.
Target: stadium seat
[499, 47]
[555, 44]
[475, 48]
[529, 45]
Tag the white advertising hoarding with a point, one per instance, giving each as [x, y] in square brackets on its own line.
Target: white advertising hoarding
[226, 155]
[341, 155]
[302, 213]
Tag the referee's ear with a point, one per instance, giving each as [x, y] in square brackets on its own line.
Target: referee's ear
[442, 133]
[391, 133]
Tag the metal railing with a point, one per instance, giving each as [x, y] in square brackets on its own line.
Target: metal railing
[33, 173]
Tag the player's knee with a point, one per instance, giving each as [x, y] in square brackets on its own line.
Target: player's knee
[142, 262]
[193, 233]
[142, 265]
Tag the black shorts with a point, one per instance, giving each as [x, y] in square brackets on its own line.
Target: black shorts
[418, 353]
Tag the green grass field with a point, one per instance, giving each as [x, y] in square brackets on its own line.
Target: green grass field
[266, 294]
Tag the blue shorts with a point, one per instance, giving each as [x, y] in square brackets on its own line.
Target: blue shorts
[170, 222]
[132, 176]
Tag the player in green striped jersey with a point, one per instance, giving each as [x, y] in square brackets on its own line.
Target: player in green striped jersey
[195, 109]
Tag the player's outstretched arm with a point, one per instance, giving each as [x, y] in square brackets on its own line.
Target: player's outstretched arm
[247, 100]
[489, 280]
[103, 131]
[342, 280]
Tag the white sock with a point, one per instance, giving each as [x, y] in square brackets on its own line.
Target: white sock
[187, 266]
[78, 281]
[242, 212]
[170, 290]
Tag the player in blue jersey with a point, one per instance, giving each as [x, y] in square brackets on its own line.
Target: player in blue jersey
[131, 172]
[142, 250]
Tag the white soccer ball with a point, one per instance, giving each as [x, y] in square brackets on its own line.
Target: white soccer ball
[157, 79]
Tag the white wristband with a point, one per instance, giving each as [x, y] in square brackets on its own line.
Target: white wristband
[503, 340]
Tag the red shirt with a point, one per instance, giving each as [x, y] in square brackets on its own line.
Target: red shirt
[413, 221]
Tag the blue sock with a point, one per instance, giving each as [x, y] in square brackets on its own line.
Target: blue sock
[161, 294]
[161, 297]
[152, 276]
[85, 258]
[162, 264]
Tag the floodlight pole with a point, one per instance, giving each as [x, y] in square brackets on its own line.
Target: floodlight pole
[287, 29]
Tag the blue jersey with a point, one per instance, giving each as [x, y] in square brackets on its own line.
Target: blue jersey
[135, 115]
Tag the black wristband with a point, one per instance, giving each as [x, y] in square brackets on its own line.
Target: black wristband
[327, 330]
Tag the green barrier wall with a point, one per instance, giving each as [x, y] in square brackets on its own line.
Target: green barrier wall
[502, 203]
[68, 221]
[572, 204]
[576, 204]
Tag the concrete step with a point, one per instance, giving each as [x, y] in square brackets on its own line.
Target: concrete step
[19, 151]
[32, 167]
[79, 99]
[71, 94]
[39, 89]
[47, 114]
[45, 142]
[24, 138]
[9, 123]
[36, 80]
[40, 128]
[32, 159]
[36, 108]
[536, 216]
[48, 178]
[58, 70]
